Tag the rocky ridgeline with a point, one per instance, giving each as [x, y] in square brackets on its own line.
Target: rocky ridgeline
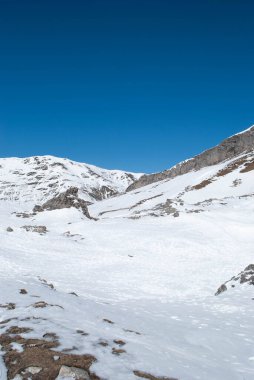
[226, 150]
[244, 277]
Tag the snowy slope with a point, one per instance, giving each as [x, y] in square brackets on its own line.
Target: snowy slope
[134, 289]
[36, 179]
[198, 191]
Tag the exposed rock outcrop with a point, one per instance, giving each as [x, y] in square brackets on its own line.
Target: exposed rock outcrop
[67, 199]
[103, 192]
[227, 149]
[244, 277]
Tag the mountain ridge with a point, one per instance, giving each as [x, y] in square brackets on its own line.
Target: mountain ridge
[228, 148]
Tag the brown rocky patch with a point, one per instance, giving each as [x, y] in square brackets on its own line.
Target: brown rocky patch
[119, 342]
[249, 166]
[38, 360]
[18, 330]
[42, 304]
[202, 184]
[118, 351]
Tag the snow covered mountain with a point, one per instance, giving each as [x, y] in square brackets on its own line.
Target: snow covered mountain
[37, 179]
[100, 283]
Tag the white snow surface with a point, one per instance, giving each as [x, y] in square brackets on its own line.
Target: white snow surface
[154, 278]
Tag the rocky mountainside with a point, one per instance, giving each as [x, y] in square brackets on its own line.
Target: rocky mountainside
[38, 179]
[222, 176]
[231, 147]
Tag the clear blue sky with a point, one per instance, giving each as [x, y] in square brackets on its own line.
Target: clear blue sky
[131, 84]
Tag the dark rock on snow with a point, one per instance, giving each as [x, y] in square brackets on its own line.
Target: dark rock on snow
[244, 277]
[67, 199]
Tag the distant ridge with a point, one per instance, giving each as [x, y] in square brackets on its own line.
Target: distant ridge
[229, 148]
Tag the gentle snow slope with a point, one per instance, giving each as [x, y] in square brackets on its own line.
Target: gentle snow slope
[156, 277]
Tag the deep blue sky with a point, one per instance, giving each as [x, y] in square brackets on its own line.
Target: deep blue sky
[131, 84]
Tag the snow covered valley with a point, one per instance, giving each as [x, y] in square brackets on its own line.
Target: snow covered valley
[130, 293]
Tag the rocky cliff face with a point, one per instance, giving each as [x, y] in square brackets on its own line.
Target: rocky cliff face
[227, 149]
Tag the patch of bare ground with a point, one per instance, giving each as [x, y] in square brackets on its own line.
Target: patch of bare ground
[145, 375]
[202, 184]
[118, 351]
[249, 166]
[231, 167]
[119, 342]
[18, 330]
[39, 359]
[42, 304]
